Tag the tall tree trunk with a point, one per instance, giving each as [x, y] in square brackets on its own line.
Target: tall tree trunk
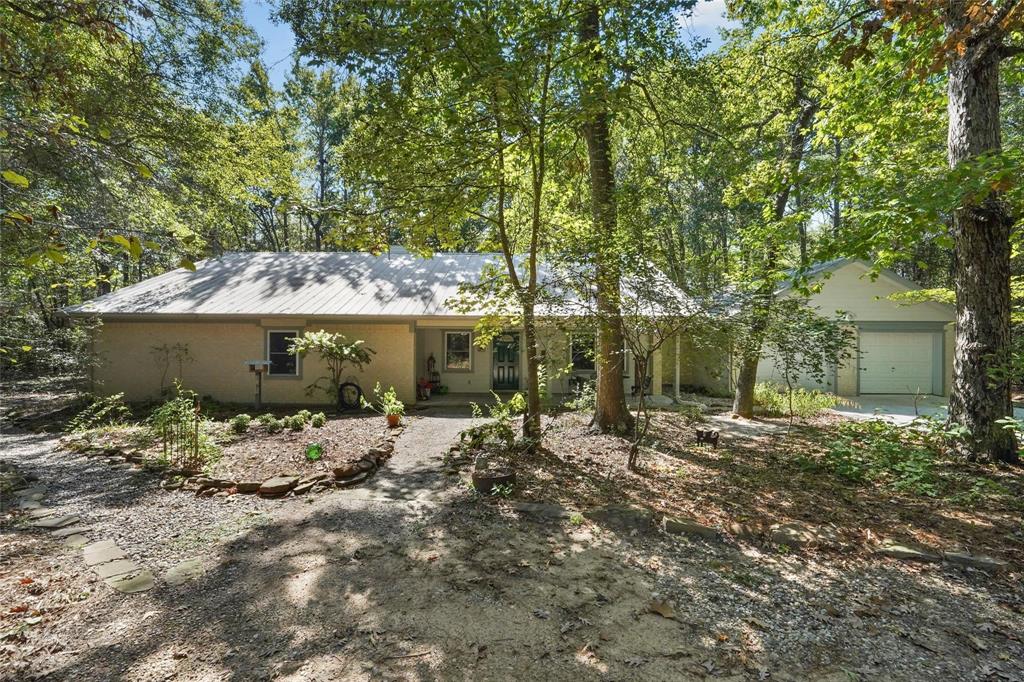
[611, 414]
[981, 235]
[750, 354]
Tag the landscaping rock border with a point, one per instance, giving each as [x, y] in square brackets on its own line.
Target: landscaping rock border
[791, 534]
[284, 484]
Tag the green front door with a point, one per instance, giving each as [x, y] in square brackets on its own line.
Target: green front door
[505, 362]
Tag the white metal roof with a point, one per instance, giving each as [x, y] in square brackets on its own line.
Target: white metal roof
[317, 283]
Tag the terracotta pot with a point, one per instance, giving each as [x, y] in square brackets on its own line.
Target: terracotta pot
[394, 420]
[484, 481]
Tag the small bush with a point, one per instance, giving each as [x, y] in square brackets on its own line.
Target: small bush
[240, 423]
[275, 425]
[775, 401]
[105, 411]
[500, 429]
[304, 415]
[266, 418]
[296, 423]
[882, 452]
[318, 420]
[584, 399]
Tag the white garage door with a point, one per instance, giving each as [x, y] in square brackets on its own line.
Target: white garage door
[896, 362]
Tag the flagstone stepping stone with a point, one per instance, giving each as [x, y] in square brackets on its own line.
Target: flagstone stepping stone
[278, 485]
[40, 511]
[68, 531]
[76, 541]
[31, 504]
[102, 552]
[190, 569]
[113, 568]
[908, 552]
[56, 521]
[131, 582]
[248, 486]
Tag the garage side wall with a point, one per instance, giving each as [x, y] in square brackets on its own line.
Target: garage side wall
[218, 351]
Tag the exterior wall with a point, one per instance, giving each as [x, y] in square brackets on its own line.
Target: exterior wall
[864, 300]
[849, 289]
[219, 351]
[431, 342]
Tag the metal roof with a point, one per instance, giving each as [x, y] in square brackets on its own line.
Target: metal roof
[301, 284]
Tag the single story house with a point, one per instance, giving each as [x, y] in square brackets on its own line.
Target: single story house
[206, 326]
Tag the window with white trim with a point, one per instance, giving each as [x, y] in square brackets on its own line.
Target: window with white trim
[282, 362]
[458, 351]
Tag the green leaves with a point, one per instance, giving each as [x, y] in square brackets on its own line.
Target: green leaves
[15, 179]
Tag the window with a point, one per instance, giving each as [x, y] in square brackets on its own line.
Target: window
[582, 352]
[282, 363]
[458, 351]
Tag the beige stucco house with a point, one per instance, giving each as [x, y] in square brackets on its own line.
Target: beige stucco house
[243, 307]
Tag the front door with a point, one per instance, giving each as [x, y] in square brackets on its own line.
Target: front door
[505, 365]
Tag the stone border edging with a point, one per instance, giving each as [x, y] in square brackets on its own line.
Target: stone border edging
[347, 475]
[792, 534]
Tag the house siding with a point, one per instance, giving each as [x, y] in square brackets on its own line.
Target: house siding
[218, 352]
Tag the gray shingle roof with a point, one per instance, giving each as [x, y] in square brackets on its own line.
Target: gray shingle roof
[330, 284]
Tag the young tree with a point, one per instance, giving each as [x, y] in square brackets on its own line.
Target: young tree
[337, 351]
[464, 120]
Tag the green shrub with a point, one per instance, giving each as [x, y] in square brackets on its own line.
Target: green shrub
[304, 415]
[266, 418]
[584, 399]
[500, 429]
[240, 423]
[882, 452]
[104, 411]
[274, 425]
[318, 420]
[774, 401]
[296, 423]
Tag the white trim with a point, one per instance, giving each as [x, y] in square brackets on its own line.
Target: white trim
[444, 349]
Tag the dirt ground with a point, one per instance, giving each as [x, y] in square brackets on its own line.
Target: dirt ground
[768, 475]
[257, 454]
[415, 577]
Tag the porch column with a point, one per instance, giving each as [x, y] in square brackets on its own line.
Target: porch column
[656, 373]
[679, 359]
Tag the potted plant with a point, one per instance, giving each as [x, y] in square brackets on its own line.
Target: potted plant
[390, 406]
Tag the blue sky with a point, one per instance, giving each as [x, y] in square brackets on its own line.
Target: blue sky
[278, 41]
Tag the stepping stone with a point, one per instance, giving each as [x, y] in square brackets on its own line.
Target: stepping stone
[622, 517]
[683, 526]
[908, 552]
[57, 521]
[983, 563]
[76, 541]
[113, 568]
[31, 493]
[278, 485]
[102, 552]
[189, 569]
[131, 582]
[39, 511]
[68, 531]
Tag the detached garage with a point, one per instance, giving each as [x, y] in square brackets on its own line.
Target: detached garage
[900, 349]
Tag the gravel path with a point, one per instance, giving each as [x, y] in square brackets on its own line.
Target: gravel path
[118, 502]
[161, 528]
